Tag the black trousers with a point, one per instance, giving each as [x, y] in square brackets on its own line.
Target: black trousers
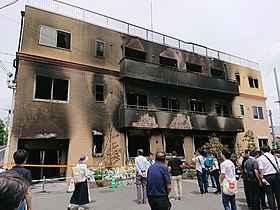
[272, 190]
[159, 202]
[216, 175]
[255, 194]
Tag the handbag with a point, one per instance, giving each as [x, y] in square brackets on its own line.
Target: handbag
[229, 186]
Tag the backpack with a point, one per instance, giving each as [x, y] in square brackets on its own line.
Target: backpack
[78, 173]
[208, 161]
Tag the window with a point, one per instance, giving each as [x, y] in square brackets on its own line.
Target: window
[262, 142]
[135, 54]
[253, 83]
[170, 104]
[218, 73]
[197, 106]
[174, 143]
[168, 62]
[242, 110]
[137, 101]
[49, 88]
[100, 49]
[99, 92]
[237, 78]
[55, 38]
[222, 110]
[98, 144]
[194, 67]
[257, 112]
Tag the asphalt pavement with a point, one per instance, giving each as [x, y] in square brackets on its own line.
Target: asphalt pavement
[54, 197]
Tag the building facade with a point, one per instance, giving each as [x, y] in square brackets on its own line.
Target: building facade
[108, 88]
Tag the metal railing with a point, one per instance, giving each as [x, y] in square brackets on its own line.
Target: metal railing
[127, 28]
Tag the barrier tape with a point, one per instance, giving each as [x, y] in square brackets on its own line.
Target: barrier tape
[63, 166]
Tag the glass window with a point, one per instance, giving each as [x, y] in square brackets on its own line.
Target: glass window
[99, 92]
[257, 112]
[100, 49]
[242, 110]
[253, 83]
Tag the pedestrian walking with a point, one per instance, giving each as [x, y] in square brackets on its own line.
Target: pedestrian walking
[20, 158]
[81, 195]
[159, 184]
[141, 164]
[269, 174]
[227, 172]
[198, 159]
[13, 188]
[175, 166]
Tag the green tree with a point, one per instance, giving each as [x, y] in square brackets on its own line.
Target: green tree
[3, 133]
[214, 145]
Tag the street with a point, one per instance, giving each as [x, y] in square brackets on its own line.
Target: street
[124, 198]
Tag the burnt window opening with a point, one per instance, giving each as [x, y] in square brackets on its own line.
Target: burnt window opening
[218, 73]
[63, 39]
[49, 88]
[253, 83]
[222, 110]
[98, 145]
[237, 78]
[194, 67]
[137, 101]
[174, 143]
[100, 49]
[228, 141]
[99, 92]
[197, 106]
[170, 104]
[199, 141]
[168, 62]
[135, 54]
[136, 142]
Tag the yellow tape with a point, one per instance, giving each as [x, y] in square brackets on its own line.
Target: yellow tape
[59, 166]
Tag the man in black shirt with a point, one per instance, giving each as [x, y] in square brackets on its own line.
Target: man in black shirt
[20, 158]
[175, 167]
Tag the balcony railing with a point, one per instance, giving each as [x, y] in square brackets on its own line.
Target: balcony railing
[124, 27]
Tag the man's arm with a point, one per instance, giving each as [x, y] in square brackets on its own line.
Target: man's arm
[168, 187]
[28, 197]
[222, 176]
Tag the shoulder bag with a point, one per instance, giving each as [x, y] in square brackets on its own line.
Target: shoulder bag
[229, 186]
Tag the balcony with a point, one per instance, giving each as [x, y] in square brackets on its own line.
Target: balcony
[135, 70]
[158, 119]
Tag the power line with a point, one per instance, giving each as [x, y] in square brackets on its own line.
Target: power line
[9, 4]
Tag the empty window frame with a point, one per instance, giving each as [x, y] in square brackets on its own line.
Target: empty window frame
[174, 143]
[222, 110]
[218, 73]
[262, 142]
[168, 62]
[98, 145]
[138, 101]
[100, 49]
[135, 54]
[237, 78]
[242, 110]
[194, 67]
[197, 106]
[257, 112]
[48, 88]
[54, 37]
[253, 83]
[99, 92]
[170, 104]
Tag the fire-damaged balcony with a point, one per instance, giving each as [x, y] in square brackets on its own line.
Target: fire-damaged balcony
[135, 70]
[157, 119]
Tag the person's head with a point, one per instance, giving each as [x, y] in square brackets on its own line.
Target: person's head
[247, 152]
[83, 159]
[13, 187]
[259, 153]
[151, 156]
[253, 153]
[265, 148]
[199, 151]
[174, 153]
[226, 153]
[140, 152]
[20, 156]
[275, 152]
[160, 156]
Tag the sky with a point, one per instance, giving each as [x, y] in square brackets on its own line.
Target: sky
[248, 29]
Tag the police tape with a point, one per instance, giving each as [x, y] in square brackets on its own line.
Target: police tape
[66, 166]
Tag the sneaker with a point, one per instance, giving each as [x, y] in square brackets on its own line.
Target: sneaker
[217, 193]
[69, 207]
[139, 202]
[200, 194]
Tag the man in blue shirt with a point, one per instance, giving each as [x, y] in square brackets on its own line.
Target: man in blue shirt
[159, 184]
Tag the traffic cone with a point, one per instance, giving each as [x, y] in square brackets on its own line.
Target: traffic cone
[113, 184]
[71, 186]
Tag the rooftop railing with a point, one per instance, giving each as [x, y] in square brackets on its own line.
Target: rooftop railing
[124, 27]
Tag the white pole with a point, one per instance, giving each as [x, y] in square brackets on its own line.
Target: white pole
[152, 28]
[277, 86]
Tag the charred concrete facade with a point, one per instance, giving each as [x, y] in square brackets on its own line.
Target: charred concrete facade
[80, 85]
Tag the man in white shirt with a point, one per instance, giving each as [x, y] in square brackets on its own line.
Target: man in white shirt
[141, 164]
[269, 167]
[198, 159]
[227, 172]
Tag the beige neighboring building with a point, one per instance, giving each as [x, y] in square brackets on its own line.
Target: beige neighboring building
[86, 83]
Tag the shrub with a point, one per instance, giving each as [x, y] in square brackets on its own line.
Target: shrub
[100, 183]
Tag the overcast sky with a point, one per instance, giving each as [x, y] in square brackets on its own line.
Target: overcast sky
[246, 28]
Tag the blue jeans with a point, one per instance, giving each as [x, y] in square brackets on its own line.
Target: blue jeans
[228, 199]
[22, 205]
[201, 182]
[212, 180]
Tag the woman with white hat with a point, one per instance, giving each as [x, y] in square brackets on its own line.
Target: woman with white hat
[81, 195]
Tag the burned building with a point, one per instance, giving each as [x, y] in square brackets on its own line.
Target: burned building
[88, 83]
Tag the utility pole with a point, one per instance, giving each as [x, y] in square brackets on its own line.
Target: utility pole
[272, 129]
[277, 86]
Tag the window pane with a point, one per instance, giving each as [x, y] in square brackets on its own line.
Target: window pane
[47, 36]
[256, 83]
[260, 113]
[255, 112]
[43, 87]
[242, 111]
[100, 49]
[63, 39]
[60, 90]
[251, 83]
